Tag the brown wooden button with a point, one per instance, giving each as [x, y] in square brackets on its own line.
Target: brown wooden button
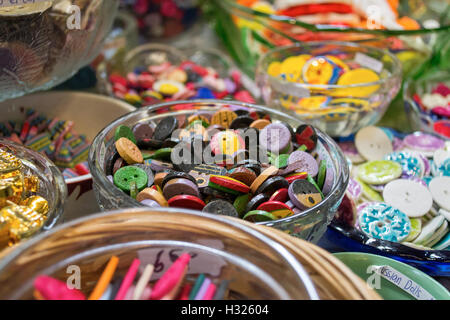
[129, 151]
[244, 175]
[152, 194]
[159, 178]
[223, 118]
[260, 124]
[267, 173]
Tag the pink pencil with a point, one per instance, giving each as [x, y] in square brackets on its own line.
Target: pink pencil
[128, 280]
[210, 292]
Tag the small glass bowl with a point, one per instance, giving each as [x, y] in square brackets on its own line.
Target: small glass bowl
[309, 225]
[51, 182]
[344, 109]
[224, 250]
[44, 43]
[144, 55]
[418, 118]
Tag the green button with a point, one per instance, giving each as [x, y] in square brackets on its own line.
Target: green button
[369, 193]
[162, 154]
[259, 216]
[124, 132]
[126, 175]
[241, 203]
[281, 161]
[379, 171]
[322, 173]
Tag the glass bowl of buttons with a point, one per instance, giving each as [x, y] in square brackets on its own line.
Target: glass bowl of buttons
[338, 87]
[397, 202]
[32, 193]
[43, 43]
[221, 157]
[203, 256]
[154, 73]
[427, 104]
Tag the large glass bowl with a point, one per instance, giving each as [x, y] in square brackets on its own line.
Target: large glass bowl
[419, 119]
[309, 225]
[51, 182]
[348, 108]
[224, 250]
[46, 42]
[248, 33]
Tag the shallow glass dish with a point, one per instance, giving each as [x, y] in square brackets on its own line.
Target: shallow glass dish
[55, 39]
[342, 237]
[419, 119]
[309, 225]
[345, 109]
[220, 248]
[51, 182]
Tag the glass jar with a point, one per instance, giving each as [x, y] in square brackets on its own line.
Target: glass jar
[220, 248]
[309, 224]
[55, 39]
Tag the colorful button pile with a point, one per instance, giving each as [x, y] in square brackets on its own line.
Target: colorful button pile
[172, 285]
[52, 137]
[22, 211]
[330, 68]
[235, 162]
[164, 82]
[400, 187]
[163, 19]
[436, 106]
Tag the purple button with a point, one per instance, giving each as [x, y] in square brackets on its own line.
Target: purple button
[176, 187]
[423, 141]
[329, 182]
[150, 203]
[354, 189]
[306, 162]
[276, 138]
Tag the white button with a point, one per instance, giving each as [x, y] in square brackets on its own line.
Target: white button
[429, 229]
[410, 197]
[440, 190]
[372, 143]
[445, 213]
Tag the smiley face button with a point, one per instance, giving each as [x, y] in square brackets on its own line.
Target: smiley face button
[373, 143]
[304, 194]
[410, 197]
[382, 221]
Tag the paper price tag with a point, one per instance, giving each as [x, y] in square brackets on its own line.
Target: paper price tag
[369, 62]
[201, 261]
[403, 282]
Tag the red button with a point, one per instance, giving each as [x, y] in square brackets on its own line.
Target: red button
[187, 202]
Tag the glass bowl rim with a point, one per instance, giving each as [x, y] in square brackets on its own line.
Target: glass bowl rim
[336, 192]
[397, 66]
[153, 46]
[287, 19]
[283, 252]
